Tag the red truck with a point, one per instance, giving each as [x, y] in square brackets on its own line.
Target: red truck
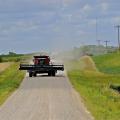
[41, 64]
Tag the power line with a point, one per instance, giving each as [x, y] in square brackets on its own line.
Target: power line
[118, 28]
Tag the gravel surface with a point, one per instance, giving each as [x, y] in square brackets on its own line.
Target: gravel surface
[44, 98]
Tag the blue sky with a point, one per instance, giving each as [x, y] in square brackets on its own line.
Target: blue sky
[51, 25]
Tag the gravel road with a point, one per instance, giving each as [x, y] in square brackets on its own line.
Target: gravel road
[44, 98]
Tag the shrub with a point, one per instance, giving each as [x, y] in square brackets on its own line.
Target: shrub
[1, 60]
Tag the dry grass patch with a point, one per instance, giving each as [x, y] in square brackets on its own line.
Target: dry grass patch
[88, 64]
[4, 65]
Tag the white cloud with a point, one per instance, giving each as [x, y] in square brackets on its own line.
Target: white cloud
[43, 3]
[18, 26]
[86, 8]
[51, 2]
[105, 7]
[92, 22]
[68, 2]
[81, 32]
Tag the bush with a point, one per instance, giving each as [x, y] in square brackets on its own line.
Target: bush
[17, 59]
[1, 60]
[12, 53]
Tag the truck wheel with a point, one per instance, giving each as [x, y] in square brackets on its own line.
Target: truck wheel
[30, 74]
[34, 74]
[53, 73]
[49, 73]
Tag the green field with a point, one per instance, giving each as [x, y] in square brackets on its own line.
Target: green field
[14, 58]
[93, 83]
[109, 63]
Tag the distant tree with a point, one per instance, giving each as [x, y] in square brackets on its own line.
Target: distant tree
[12, 53]
[1, 60]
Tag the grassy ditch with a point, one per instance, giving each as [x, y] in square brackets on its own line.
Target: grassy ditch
[10, 80]
[94, 86]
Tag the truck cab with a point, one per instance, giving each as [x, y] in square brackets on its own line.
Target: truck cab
[41, 60]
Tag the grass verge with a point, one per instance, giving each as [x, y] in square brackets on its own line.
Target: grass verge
[94, 87]
[10, 80]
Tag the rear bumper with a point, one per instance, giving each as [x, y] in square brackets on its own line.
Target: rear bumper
[42, 71]
[44, 68]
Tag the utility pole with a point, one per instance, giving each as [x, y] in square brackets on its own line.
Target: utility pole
[118, 27]
[106, 43]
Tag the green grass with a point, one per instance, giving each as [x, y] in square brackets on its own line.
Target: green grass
[94, 86]
[10, 80]
[108, 63]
